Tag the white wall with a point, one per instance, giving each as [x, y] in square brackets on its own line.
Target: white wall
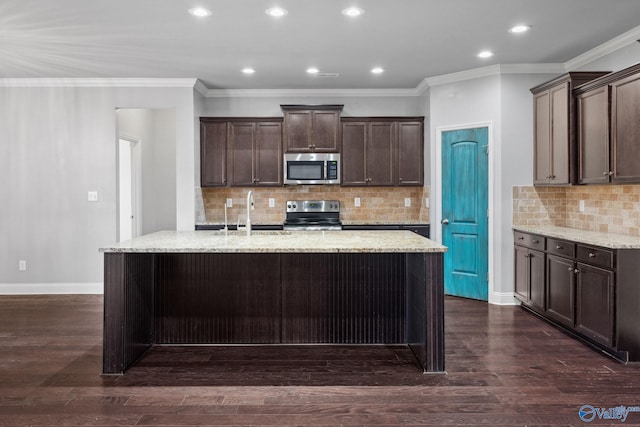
[353, 106]
[57, 143]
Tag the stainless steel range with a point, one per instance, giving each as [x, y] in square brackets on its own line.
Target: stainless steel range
[314, 215]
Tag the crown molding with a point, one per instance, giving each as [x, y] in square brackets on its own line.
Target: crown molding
[201, 88]
[493, 70]
[606, 48]
[333, 93]
[97, 82]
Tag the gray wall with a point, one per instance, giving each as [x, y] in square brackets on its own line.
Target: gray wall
[56, 144]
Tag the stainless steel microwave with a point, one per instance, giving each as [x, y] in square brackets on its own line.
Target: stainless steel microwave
[311, 168]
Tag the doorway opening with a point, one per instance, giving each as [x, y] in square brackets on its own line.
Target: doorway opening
[129, 191]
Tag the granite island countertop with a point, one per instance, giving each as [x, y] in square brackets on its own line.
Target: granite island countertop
[606, 240]
[204, 241]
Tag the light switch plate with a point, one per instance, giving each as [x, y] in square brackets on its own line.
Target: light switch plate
[407, 202]
[581, 206]
[272, 202]
[427, 203]
[229, 202]
[22, 265]
[356, 202]
[92, 196]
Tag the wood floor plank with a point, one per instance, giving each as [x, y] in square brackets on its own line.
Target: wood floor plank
[505, 367]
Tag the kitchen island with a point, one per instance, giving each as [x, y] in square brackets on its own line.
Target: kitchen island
[273, 287]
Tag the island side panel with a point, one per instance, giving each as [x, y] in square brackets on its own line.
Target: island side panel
[425, 309]
[128, 309]
[218, 298]
[343, 298]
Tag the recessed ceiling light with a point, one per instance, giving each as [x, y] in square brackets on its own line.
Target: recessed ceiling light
[199, 11]
[312, 70]
[276, 11]
[248, 70]
[519, 29]
[485, 54]
[352, 11]
[377, 70]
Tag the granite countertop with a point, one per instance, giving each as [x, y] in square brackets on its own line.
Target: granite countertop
[278, 242]
[606, 240]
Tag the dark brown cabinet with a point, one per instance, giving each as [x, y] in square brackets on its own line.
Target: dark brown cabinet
[560, 285]
[530, 270]
[554, 129]
[240, 151]
[312, 128]
[382, 151]
[590, 291]
[213, 154]
[609, 128]
[255, 153]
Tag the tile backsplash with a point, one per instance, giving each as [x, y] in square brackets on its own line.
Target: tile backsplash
[377, 204]
[607, 208]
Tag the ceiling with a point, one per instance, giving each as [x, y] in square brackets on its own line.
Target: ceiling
[411, 39]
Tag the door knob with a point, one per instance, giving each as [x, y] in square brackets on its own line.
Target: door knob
[444, 221]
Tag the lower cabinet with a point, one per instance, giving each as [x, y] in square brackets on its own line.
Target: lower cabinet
[595, 307]
[592, 292]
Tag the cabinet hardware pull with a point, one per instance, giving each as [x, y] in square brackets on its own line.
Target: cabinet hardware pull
[610, 173]
[553, 177]
[521, 238]
[592, 255]
[570, 269]
[536, 241]
[576, 271]
[558, 247]
[605, 173]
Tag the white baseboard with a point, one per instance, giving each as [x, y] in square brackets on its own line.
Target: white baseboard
[503, 298]
[51, 288]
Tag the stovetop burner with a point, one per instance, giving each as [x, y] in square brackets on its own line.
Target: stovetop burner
[313, 215]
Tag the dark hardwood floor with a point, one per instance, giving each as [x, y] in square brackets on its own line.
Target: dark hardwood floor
[504, 367]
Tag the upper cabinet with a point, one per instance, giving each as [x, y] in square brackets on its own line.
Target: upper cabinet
[382, 151]
[240, 152]
[213, 153]
[554, 129]
[311, 128]
[609, 128]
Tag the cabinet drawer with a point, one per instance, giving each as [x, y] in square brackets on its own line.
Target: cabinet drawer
[595, 256]
[532, 241]
[561, 247]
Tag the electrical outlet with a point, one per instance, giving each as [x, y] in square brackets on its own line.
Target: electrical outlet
[581, 206]
[407, 202]
[272, 202]
[356, 202]
[229, 202]
[22, 265]
[92, 196]
[426, 202]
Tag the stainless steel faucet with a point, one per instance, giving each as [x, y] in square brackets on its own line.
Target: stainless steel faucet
[250, 207]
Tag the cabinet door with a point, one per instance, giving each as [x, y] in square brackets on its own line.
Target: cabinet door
[325, 131]
[213, 154]
[379, 153]
[521, 256]
[268, 154]
[298, 127]
[559, 147]
[593, 136]
[537, 280]
[241, 139]
[595, 303]
[354, 135]
[560, 289]
[410, 164]
[625, 130]
[541, 138]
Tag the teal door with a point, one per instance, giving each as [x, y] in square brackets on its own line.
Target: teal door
[464, 212]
